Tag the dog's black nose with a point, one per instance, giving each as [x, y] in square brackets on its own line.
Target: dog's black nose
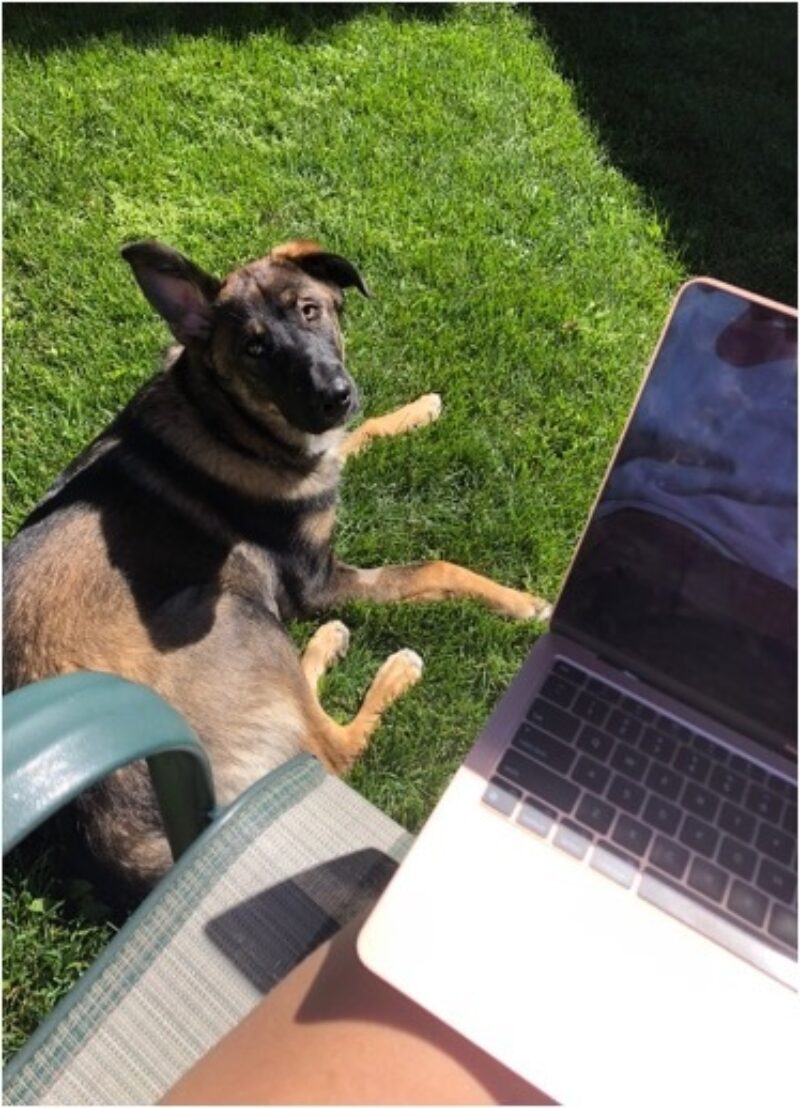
[336, 397]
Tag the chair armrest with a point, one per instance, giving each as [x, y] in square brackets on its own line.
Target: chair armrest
[64, 734]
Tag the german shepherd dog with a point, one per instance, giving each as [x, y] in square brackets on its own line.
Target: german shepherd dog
[175, 547]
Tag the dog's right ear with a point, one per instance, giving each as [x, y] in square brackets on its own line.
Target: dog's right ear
[179, 291]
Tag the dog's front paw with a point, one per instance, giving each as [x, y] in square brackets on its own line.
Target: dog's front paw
[523, 605]
[430, 407]
[422, 411]
[397, 674]
[338, 638]
[543, 609]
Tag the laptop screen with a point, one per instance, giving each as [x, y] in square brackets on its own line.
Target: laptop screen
[687, 573]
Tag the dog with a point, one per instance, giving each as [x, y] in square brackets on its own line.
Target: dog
[175, 548]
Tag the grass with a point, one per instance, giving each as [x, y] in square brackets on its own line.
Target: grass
[53, 929]
[516, 269]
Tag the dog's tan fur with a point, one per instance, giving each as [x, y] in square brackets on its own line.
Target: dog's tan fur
[172, 551]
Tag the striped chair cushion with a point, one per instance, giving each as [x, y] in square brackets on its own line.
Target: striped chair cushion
[296, 857]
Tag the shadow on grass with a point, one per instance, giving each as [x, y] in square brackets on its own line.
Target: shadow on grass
[696, 104]
[39, 28]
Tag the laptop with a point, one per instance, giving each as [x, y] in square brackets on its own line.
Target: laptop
[605, 898]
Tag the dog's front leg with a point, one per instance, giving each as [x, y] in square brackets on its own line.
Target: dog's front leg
[422, 411]
[433, 581]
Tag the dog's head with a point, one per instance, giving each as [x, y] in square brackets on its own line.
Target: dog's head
[270, 330]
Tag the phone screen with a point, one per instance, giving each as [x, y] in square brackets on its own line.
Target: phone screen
[687, 573]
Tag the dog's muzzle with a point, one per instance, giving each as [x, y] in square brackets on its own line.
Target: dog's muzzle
[334, 402]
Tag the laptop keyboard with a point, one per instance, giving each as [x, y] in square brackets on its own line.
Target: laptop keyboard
[641, 794]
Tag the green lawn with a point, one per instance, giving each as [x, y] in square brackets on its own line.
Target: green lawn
[516, 270]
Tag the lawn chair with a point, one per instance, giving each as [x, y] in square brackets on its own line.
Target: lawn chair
[254, 889]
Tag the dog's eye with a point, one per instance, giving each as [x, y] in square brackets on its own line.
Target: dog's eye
[310, 312]
[255, 347]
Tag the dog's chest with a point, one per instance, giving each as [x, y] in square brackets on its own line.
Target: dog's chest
[282, 526]
[290, 542]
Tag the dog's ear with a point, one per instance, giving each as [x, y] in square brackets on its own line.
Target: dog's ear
[178, 290]
[316, 262]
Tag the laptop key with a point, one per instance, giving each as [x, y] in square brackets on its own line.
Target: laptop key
[718, 754]
[611, 862]
[790, 819]
[537, 779]
[559, 691]
[636, 709]
[603, 691]
[737, 858]
[591, 774]
[670, 857]
[664, 781]
[594, 742]
[724, 782]
[783, 925]
[626, 795]
[552, 719]
[623, 726]
[784, 788]
[707, 879]
[737, 822]
[536, 817]
[630, 762]
[632, 835]
[691, 763]
[699, 801]
[566, 669]
[657, 745]
[544, 748]
[575, 840]
[590, 708]
[501, 796]
[764, 804]
[704, 745]
[775, 844]
[662, 815]
[739, 764]
[745, 901]
[780, 786]
[699, 836]
[595, 813]
[780, 883]
[672, 728]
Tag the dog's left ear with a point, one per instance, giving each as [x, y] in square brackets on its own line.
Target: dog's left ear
[316, 262]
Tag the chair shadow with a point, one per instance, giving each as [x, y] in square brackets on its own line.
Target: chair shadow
[697, 105]
[40, 28]
[267, 935]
